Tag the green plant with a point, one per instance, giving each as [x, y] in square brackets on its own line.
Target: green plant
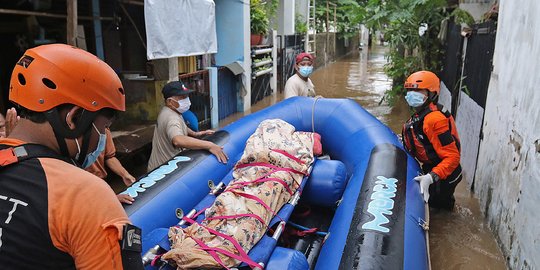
[300, 25]
[259, 17]
[462, 16]
[399, 21]
[346, 21]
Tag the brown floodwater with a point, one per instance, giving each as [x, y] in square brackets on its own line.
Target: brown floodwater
[458, 240]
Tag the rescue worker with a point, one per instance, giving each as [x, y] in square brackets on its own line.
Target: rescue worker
[300, 84]
[430, 135]
[53, 214]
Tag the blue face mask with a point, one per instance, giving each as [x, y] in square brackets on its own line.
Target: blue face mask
[415, 99]
[92, 157]
[305, 71]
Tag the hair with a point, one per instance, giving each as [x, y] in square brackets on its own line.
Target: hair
[40, 117]
[36, 117]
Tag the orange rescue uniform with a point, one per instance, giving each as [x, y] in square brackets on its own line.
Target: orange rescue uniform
[436, 144]
[65, 217]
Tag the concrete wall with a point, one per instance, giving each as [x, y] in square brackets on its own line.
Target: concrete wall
[468, 123]
[230, 34]
[508, 174]
[285, 16]
[325, 43]
[233, 36]
[476, 8]
[301, 8]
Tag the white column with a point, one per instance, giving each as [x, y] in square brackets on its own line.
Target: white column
[286, 15]
[244, 102]
[214, 96]
[273, 81]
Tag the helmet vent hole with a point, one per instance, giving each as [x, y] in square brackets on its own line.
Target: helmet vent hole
[21, 78]
[419, 81]
[49, 83]
[121, 90]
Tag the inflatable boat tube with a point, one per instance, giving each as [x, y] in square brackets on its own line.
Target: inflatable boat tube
[378, 210]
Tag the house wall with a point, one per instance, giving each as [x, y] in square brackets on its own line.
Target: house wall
[286, 12]
[233, 37]
[229, 29]
[508, 173]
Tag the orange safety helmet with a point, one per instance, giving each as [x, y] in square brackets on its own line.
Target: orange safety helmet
[424, 80]
[51, 75]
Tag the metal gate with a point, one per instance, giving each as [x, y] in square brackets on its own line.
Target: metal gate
[227, 92]
[452, 62]
[479, 61]
[290, 46]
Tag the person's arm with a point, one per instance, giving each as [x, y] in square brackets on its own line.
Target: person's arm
[437, 129]
[198, 134]
[182, 141]
[114, 164]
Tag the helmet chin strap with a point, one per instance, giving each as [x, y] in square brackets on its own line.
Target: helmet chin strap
[83, 150]
[63, 132]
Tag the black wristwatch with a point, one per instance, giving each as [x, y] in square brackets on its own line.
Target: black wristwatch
[434, 176]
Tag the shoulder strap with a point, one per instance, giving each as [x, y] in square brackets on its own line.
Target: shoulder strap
[15, 154]
[421, 136]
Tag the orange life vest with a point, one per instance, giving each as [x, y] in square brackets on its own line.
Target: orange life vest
[416, 141]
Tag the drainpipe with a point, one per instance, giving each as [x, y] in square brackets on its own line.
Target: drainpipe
[463, 59]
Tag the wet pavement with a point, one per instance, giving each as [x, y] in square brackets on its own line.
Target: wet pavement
[458, 240]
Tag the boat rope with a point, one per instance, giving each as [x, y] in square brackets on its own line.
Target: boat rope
[313, 113]
[426, 210]
[305, 230]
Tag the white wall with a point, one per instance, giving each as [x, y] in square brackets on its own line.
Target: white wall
[286, 11]
[508, 174]
[301, 8]
[477, 8]
[468, 123]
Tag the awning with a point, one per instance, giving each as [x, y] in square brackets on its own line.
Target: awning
[180, 28]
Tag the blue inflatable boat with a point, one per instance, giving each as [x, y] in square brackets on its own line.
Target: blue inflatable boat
[358, 209]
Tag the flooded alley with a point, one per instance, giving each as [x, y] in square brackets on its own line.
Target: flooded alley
[458, 240]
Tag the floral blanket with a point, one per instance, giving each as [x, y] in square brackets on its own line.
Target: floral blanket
[275, 160]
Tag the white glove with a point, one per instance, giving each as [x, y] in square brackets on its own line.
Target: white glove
[424, 181]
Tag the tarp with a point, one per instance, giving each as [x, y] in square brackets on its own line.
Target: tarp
[179, 28]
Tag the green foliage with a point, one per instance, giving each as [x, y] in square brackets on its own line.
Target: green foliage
[462, 16]
[399, 21]
[346, 17]
[300, 25]
[259, 17]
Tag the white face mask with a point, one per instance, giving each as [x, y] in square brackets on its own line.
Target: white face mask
[183, 105]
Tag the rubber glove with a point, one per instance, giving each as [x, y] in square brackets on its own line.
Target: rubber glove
[424, 181]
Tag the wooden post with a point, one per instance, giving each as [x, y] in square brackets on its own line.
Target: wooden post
[327, 31]
[335, 31]
[71, 22]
